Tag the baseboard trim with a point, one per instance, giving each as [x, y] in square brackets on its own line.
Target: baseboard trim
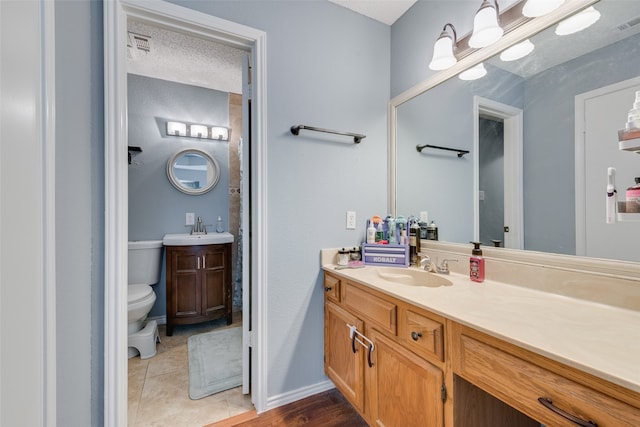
[295, 395]
[161, 320]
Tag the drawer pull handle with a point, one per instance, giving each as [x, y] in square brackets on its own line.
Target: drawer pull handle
[369, 355]
[327, 288]
[548, 403]
[416, 335]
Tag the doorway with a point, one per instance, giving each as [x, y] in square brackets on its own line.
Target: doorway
[600, 113]
[117, 13]
[508, 174]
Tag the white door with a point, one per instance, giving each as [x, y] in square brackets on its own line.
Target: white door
[601, 113]
[245, 149]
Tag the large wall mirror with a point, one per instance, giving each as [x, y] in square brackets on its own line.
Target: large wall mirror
[193, 171]
[541, 132]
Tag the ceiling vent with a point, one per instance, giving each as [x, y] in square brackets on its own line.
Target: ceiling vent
[139, 42]
[629, 24]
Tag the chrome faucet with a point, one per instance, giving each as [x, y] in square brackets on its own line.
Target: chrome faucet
[443, 268]
[425, 262]
[198, 227]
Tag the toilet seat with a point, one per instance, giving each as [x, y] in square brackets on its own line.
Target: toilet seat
[137, 293]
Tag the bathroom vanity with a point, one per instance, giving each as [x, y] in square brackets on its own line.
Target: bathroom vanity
[199, 285]
[450, 352]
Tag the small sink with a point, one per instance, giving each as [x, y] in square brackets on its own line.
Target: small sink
[186, 239]
[408, 276]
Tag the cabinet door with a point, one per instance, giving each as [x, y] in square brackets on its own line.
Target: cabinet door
[405, 390]
[214, 288]
[184, 293]
[341, 364]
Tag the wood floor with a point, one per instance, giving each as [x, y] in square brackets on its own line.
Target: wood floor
[327, 409]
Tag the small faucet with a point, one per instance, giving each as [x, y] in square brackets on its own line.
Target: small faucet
[199, 227]
[425, 262]
[443, 268]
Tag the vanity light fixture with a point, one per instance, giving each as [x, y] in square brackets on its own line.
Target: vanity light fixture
[486, 29]
[578, 22]
[176, 129]
[535, 8]
[198, 131]
[218, 133]
[517, 51]
[443, 56]
[476, 72]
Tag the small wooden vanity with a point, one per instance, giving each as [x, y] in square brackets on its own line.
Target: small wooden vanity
[199, 284]
[400, 364]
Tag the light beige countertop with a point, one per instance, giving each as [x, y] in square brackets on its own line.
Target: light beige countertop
[596, 338]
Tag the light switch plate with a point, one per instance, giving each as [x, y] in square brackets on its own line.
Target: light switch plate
[351, 220]
[190, 218]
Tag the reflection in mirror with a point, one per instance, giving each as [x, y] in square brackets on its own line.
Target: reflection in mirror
[573, 93]
[193, 171]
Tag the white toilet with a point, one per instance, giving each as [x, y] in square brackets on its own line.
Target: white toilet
[145, 261]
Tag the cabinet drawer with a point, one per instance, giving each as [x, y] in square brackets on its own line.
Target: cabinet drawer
[521, 384]
[381, 312]
[332, 287]
[422, 334]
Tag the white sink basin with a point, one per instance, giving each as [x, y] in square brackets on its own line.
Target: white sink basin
[197, 239]
[407, 276]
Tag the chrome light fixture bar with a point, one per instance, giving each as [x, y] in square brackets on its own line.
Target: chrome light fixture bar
[444, 49]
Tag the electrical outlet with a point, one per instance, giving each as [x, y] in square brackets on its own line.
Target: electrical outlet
[481, 195]
[424, 216]
[190, 218]
[351, 220]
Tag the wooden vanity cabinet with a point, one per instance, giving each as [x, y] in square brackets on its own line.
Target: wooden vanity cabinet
[550, 392]
[388, 383]
[199, 285]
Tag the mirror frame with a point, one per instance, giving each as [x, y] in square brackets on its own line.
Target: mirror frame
[604, 267]
[173, 179]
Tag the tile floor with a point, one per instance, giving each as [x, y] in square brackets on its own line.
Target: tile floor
[159, 386]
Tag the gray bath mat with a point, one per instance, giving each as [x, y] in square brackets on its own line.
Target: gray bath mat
[215, 362]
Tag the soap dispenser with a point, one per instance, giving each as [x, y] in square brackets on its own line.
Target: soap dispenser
[219, 225]
[476, 263]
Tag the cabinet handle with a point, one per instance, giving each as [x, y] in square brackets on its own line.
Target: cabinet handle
[416, 335]
[353, 343]
[204, 262]
[198, 258]
[548, 403]
[370, 350]
[327, 288]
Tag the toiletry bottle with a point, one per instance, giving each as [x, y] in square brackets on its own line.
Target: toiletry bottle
[371, 232]
[633, 197]
[432, 231]
[219, 226]
[476, 263]
[379, 232]
[393, 232]
[414, 241]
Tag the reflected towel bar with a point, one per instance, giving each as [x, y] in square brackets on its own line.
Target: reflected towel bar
[356, 136]
[461, 153]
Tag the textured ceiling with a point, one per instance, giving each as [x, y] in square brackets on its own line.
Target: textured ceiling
[185, 59]
[385, 11]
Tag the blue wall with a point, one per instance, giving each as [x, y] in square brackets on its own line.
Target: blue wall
[155, 206]
[326, 66]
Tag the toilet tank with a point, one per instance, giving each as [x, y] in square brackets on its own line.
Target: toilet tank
[145, 261]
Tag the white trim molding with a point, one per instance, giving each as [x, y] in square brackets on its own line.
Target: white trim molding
[116, 13]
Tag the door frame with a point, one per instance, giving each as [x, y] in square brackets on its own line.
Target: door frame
[513, 140]
[116, 14]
